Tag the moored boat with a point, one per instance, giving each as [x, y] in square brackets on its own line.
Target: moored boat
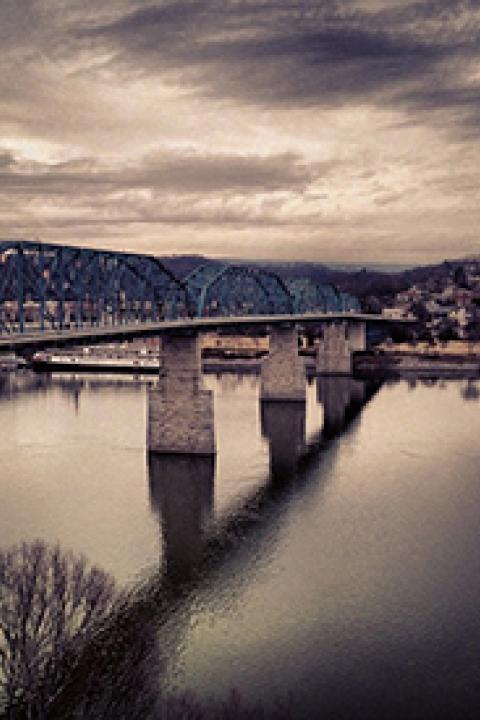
[48, 361]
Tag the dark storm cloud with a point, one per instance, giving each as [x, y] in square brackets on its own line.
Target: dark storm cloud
[319, 115]
[303, 51]
[462, 102]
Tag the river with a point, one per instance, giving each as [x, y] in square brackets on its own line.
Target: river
[348, 578]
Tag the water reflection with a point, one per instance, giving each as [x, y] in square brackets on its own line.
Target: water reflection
[182, 486]
[14, 384]
[351, 572]
[86, 485]
[181, 493]
[342, 398]
[470, 391]
[329, 578]
[333, 395]
[283, 424]
[335, 602]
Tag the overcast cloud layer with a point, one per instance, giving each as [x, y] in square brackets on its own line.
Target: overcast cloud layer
[338, 130]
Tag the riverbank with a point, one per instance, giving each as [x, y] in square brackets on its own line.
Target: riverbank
[422, 360]
[399, 363]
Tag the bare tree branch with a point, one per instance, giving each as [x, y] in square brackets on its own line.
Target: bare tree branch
[51, 605]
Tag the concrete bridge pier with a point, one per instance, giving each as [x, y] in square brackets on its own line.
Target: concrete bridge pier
[283, 424]
[283, 370]
[334, 356]
[180, 409]
[336, 347]
[357, 336]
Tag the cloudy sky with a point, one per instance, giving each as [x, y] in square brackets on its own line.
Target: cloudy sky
[328, 130]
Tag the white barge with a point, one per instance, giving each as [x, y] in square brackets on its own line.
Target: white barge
[78, 362]
[137, 363]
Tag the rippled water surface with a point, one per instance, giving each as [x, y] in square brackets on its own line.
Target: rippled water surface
[336, 548]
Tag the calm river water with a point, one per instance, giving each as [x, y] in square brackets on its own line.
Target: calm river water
[336, 551]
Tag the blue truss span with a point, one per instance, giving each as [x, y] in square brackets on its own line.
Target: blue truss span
[226, 290]
[45, 286]
[58, 287]
[310, 297]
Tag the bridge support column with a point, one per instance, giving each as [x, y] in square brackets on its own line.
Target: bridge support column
[180, 409]
[357, 336]
[283, 371]
[334, 356]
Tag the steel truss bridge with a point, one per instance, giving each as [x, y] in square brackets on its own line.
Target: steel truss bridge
[48, 289]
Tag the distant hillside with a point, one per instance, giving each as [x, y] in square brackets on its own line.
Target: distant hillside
[182, 265]
[366, 282]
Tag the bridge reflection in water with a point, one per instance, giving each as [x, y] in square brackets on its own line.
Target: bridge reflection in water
[363, 547]
[181, 492]
[196, 542]
[182, 485]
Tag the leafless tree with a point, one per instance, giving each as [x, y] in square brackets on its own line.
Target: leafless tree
[51, 605]
[72, 646]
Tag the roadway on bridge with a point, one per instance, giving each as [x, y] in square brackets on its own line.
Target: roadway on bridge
[94, 335]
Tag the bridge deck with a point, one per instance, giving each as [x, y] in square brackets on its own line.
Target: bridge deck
[96, 335]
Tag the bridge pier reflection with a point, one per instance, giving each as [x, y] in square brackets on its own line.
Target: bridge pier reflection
[182, 484]
[283, 425]
[358, 395]
[181, 493]
[334, 395]
[341, 398]
[180, 409]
